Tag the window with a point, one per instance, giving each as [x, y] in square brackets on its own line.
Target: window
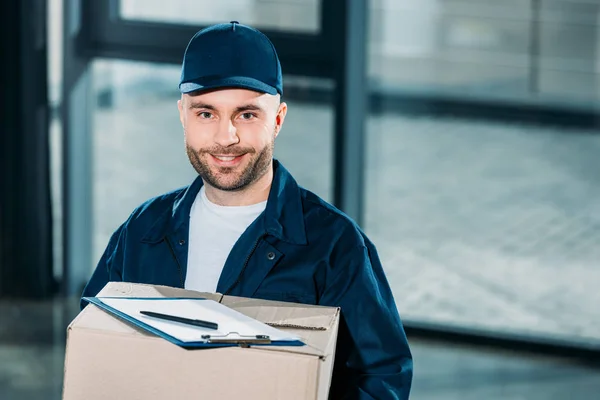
[286, 15]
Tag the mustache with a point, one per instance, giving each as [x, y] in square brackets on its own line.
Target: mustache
[227, 151]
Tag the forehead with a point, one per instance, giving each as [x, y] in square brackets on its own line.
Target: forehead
[229, 98]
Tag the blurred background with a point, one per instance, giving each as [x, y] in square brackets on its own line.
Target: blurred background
[463, 135]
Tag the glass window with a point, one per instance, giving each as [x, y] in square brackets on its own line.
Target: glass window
[487, 225]
[55, 65]
[569, 50]
[473, 47]
[486, 49]
[138, 141]
[287, 15]
[484, 224]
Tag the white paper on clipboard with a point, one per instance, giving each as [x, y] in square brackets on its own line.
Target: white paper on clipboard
[233, 325]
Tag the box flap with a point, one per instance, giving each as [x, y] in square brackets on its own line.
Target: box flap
[95, 318]
[126, 289]
[313, 324]
[246, 301]
[295, 317]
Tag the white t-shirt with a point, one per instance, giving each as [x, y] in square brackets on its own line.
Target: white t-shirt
[214, 229]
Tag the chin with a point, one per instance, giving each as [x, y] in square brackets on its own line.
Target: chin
[229, 188]
[227, 184]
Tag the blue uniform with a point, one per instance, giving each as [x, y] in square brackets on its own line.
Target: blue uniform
[300, 249]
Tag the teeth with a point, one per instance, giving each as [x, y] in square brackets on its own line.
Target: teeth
[225, 158]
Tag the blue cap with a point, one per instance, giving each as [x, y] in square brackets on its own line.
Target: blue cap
[231, 56]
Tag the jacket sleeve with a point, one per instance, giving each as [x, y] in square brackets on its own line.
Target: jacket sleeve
[373, 359]
[109, 266]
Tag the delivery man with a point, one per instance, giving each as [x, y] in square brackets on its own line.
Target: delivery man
[245, 228]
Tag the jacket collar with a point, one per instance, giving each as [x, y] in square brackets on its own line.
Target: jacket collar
[283, 217]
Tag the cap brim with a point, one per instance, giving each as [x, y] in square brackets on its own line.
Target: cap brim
[231, 82]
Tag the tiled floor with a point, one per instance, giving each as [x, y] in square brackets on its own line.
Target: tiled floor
[463, 373]
[489, 224]
[32, 345]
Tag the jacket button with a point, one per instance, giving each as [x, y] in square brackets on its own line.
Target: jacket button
[270, 256]
[181, 242]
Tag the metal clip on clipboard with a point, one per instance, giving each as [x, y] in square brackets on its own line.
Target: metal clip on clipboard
[242, 340]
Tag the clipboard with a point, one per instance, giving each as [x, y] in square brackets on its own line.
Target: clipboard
[242, 340]
[248, 331]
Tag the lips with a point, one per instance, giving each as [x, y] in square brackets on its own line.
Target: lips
[227, 160]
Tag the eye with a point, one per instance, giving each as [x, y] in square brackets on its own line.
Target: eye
[205, 115]
[248, 116]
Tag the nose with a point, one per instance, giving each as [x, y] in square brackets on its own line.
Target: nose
[226, 134]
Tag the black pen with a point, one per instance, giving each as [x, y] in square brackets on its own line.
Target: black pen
[188, 321]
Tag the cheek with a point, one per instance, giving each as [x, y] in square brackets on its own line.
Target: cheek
[257, 136]
[196, 136]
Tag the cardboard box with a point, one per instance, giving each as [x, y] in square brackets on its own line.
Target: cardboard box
[108, 358]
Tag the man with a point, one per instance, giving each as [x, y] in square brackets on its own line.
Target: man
[244, 227]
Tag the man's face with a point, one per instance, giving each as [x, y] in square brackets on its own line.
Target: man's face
[230, 135]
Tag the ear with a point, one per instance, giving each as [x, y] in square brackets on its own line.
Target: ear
[280, 117]
[181, 113]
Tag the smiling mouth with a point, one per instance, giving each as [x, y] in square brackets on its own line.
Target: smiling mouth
[227, 157]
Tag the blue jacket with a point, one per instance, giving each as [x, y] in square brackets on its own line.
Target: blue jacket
[300, 249]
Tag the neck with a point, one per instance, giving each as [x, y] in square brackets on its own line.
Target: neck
[254, 193]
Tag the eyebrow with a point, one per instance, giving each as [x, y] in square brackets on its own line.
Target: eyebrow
[206, 106]
[194, 106]
[248, 107]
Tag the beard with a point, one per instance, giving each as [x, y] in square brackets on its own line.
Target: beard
[230, 178]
